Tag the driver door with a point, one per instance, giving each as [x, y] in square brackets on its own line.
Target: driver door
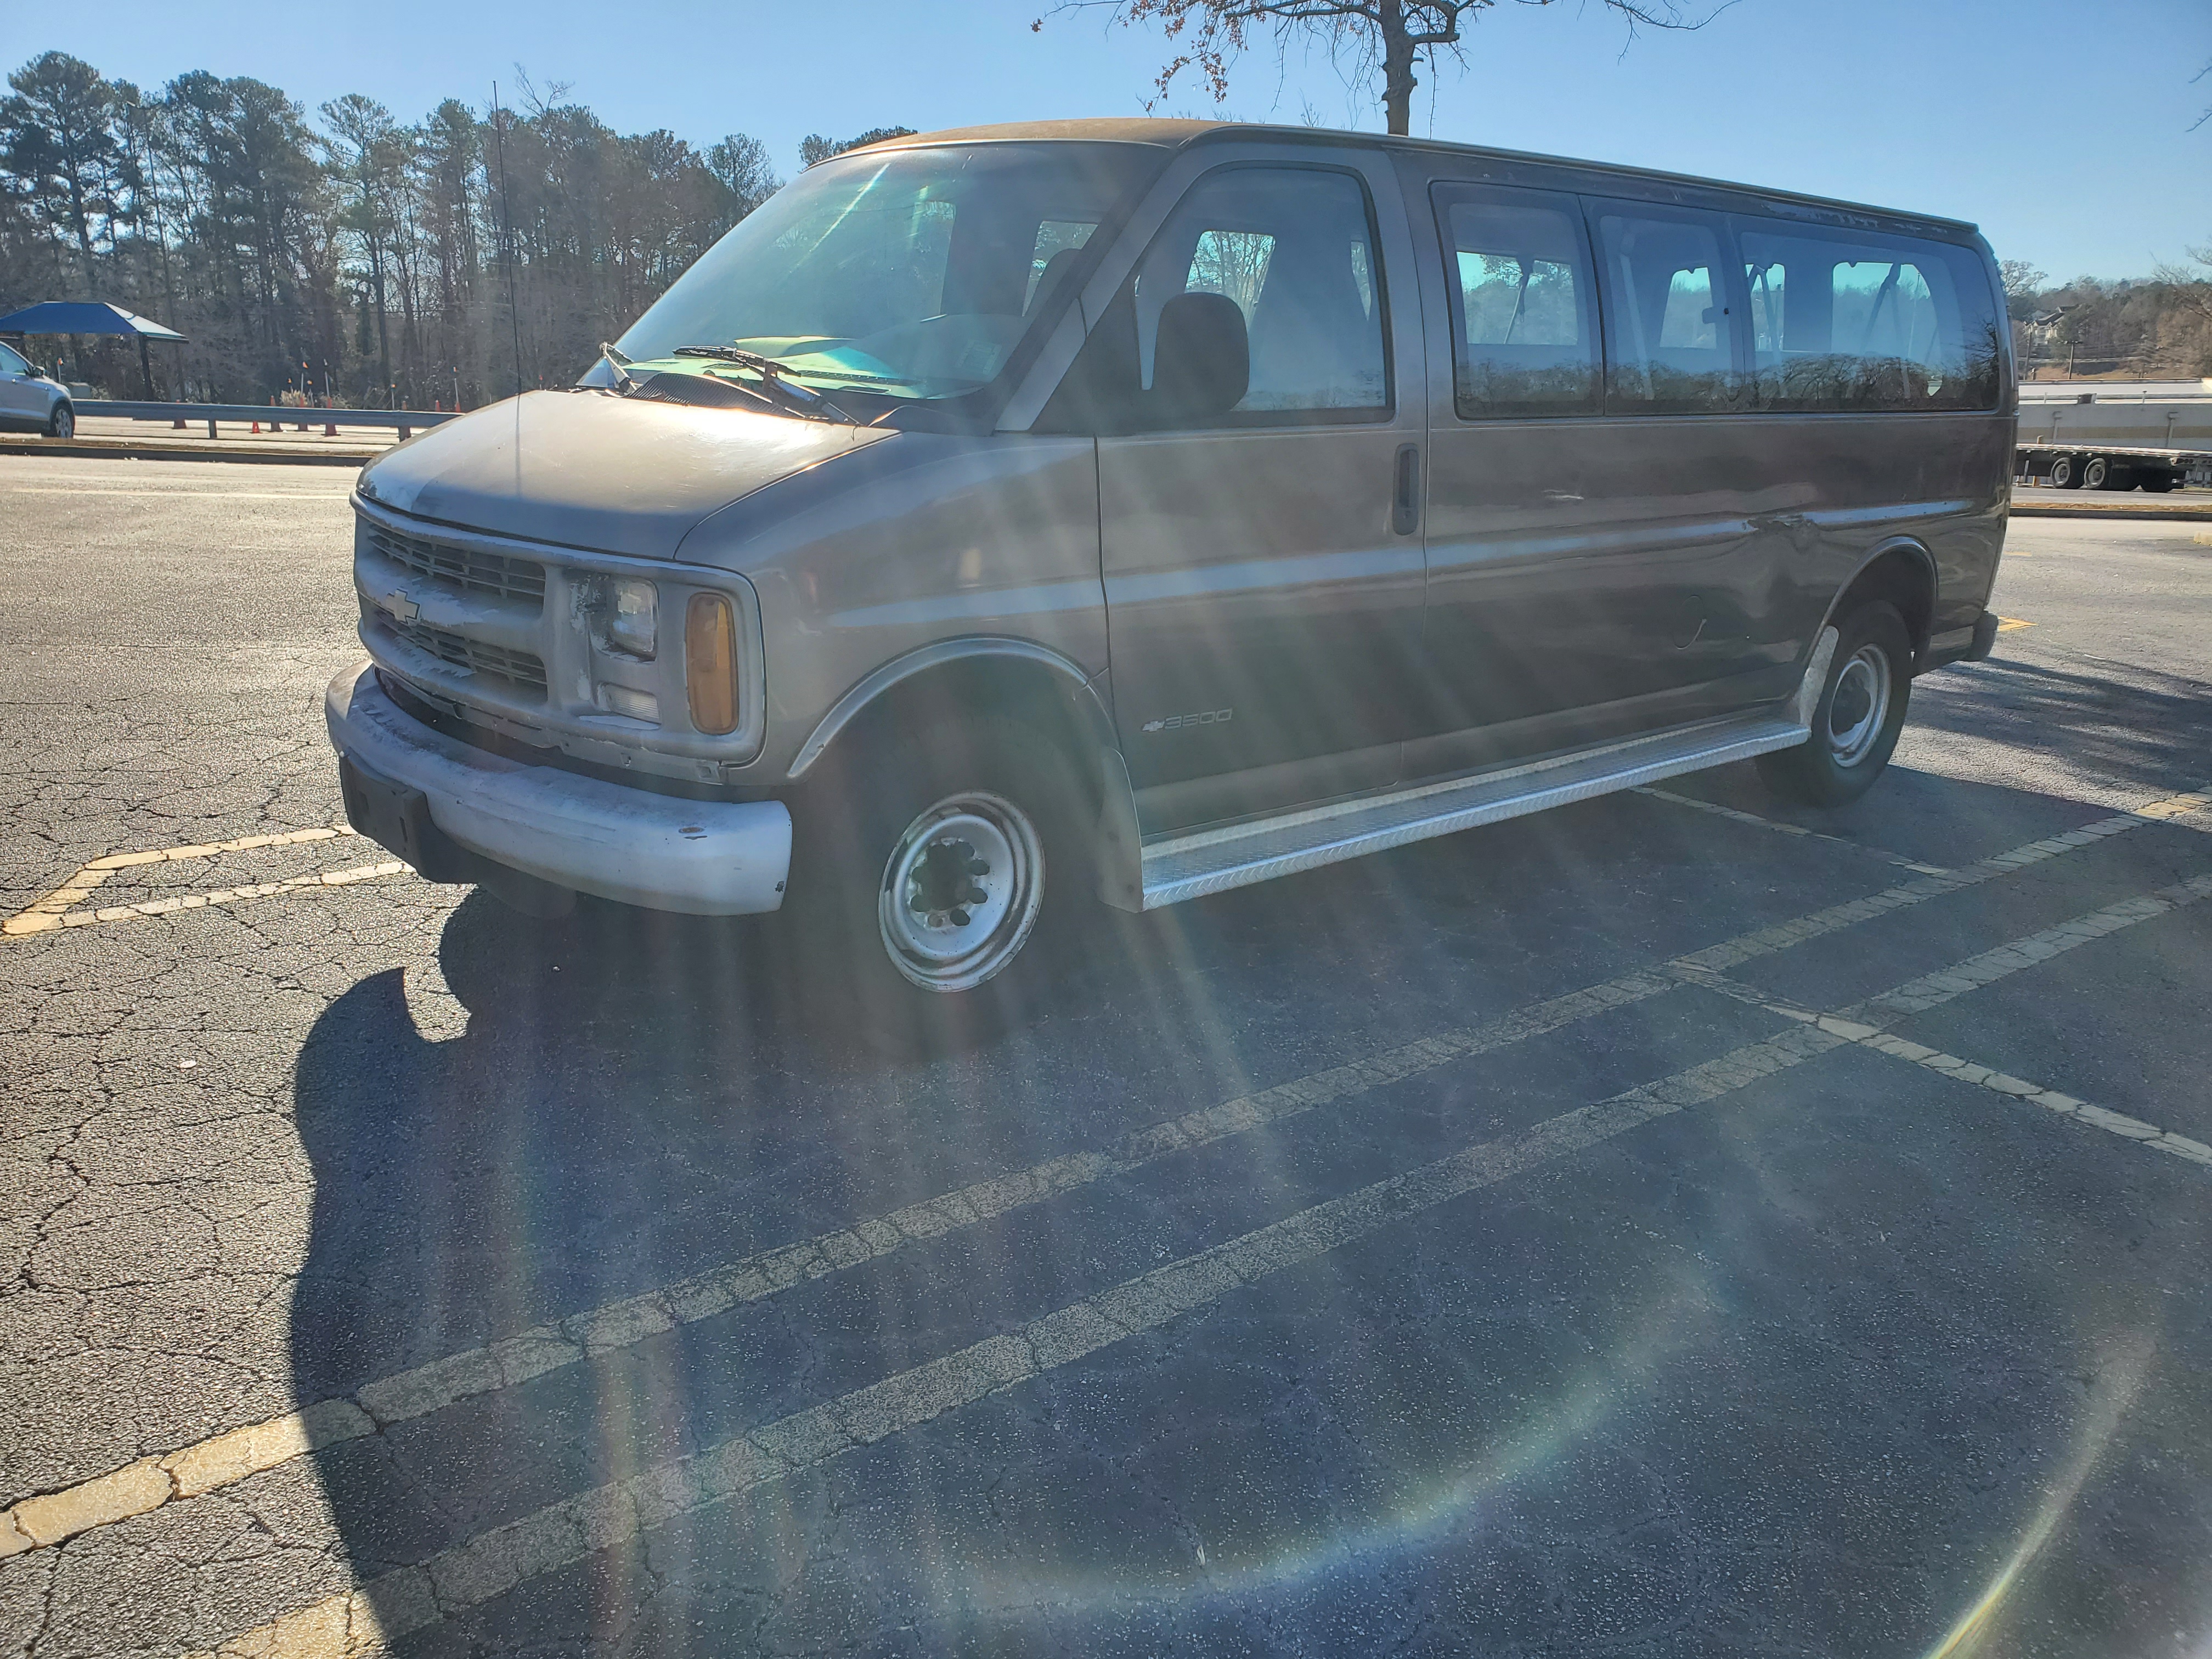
[1263, 568]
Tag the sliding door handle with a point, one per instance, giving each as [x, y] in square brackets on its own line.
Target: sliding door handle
[1406, 491]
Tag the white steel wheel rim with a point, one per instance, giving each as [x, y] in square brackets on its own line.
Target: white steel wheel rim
[1859, 705]
[961, 890]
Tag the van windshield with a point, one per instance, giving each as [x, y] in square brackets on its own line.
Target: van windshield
[910, 274]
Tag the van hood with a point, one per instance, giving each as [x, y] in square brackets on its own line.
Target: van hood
[591, 471]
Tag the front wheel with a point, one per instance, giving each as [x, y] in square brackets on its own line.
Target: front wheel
[2065, 475]
[939, 884]
[62, 423]
[1857, 721]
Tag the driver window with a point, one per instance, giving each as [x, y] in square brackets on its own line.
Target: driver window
[12, 364]
[1294, 248]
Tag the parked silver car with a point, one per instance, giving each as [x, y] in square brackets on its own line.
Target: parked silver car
[1003, 522]
[30, 401]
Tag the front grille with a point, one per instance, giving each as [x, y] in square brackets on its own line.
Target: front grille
[518, 668]
[465, 567]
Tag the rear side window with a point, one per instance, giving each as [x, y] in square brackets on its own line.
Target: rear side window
[1861, 321]
[1670, 341]
[1524, 311]
[1294, 248]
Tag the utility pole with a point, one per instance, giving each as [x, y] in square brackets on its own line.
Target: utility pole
[507, 235]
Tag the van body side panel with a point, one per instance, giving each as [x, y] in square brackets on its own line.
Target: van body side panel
[922, 538]
[1861, 481]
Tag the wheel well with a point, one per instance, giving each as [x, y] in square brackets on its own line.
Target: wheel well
[942, 697]
[1904, 576]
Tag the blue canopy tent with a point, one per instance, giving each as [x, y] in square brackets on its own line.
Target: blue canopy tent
[91, 317]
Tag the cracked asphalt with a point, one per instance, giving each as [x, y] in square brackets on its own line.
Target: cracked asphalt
[1639, 1230]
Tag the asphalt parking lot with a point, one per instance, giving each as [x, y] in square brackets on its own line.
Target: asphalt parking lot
[1678, 1224]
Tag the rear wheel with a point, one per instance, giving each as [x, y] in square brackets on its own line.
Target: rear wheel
[1858, 717]
[62, 423]
[939, 891]
[2065, 475]
[2094, 472]
[2158, 486]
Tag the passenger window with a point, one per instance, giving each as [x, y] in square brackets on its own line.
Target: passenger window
[1294, 248]
[1853, 321]
[11, 364]
[1669, 341]
[1523, 314]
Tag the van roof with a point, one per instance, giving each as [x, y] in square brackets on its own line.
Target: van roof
[1173, 134]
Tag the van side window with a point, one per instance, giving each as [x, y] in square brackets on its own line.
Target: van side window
[1669, 340]
[1524, 334]
[1294, 248]
[1858, 320]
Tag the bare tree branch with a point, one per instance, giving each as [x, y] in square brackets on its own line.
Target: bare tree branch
[1209, 36]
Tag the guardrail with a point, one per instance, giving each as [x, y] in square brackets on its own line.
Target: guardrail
[270, 415]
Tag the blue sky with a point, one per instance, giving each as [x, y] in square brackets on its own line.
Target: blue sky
[2061, 128]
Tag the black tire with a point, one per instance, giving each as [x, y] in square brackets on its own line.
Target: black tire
[900, 845]
[2158, 486]
[2065, 475]
[62, 423]
[2095, 472]
[1837, 764]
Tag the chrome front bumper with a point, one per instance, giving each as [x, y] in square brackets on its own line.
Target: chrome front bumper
[664, 853]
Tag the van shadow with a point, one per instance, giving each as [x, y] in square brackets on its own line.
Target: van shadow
[631, 1099]
[2138, 725]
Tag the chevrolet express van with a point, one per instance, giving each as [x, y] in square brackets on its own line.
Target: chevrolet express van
[1003, 522]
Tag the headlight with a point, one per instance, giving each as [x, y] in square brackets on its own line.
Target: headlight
[710, 664]
[626, 618]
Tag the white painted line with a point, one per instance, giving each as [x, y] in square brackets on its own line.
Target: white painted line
[496, 1562]
[533, 1352]
[1780, 827]
[1865, 1023]
[2098, 1117]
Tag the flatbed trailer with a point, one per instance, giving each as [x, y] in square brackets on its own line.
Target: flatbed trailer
[2085, 464]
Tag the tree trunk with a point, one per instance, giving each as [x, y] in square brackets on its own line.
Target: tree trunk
[1398, 78]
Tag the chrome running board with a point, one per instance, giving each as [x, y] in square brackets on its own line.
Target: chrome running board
[1187, 867]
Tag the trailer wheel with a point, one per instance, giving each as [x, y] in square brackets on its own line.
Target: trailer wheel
[2095, 472]
[2159, 486]
[2063, 473]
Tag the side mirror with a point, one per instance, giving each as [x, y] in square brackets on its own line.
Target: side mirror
[1201, 358]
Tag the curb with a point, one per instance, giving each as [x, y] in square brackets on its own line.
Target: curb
[125, 450]
[2190, 513]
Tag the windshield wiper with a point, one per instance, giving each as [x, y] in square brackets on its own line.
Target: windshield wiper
[624, 381]
[773, 374]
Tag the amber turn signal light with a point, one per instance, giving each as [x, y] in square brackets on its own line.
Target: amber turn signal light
[710, 663]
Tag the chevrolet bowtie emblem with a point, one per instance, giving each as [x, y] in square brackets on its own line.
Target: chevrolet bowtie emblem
[402, 608]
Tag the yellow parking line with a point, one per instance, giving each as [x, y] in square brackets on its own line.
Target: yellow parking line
[2006, 625]
[48, 914]
[162, 907]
